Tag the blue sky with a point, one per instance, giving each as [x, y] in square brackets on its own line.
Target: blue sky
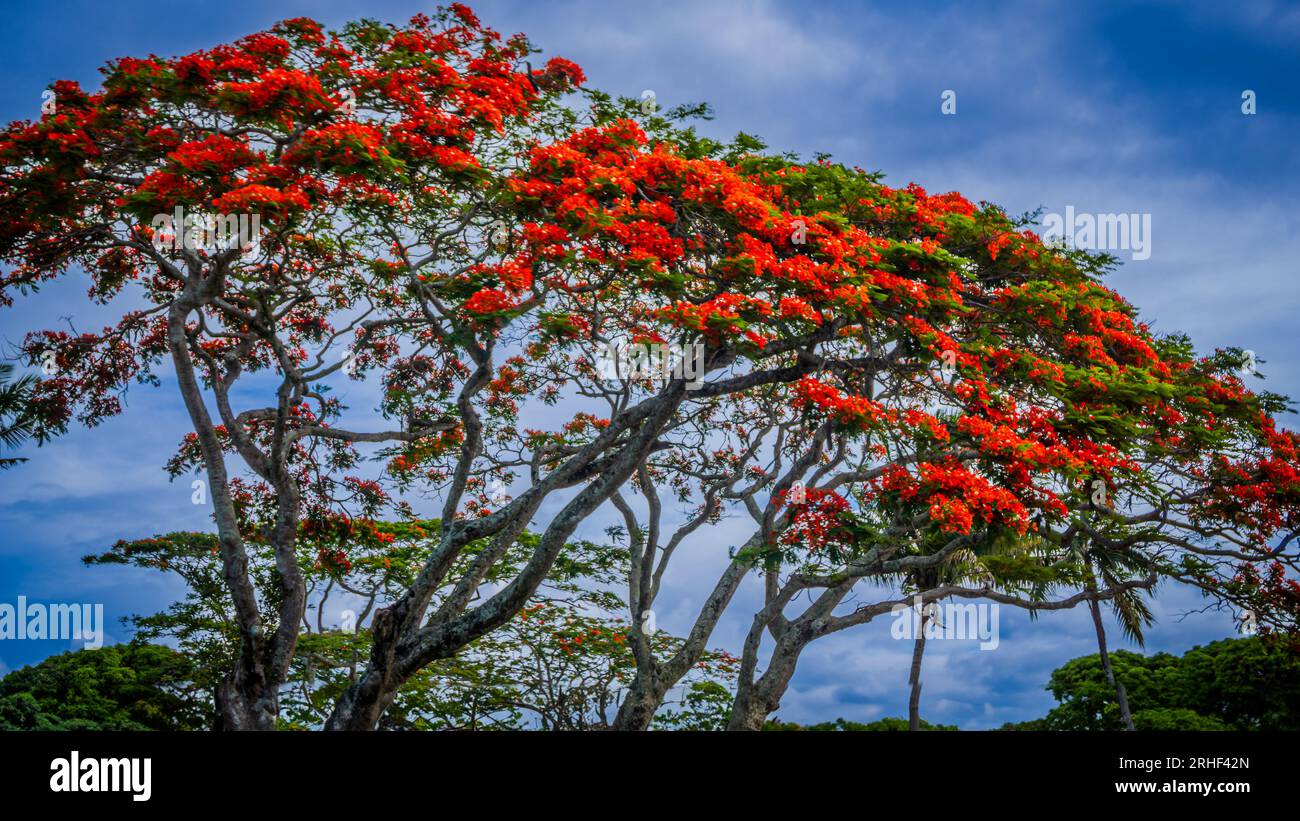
[1108, 108]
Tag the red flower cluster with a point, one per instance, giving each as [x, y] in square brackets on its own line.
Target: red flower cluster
[488, 301]
[818, 520]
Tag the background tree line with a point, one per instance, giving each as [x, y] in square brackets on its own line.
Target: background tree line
[1231, 684]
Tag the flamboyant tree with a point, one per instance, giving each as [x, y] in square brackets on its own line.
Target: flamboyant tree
[885, 381]
[976, 394]
[380, 167]
[260, 210]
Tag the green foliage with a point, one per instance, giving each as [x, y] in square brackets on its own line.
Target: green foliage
[840, 725]
[1251, 684]
[706, 705]
[560, 664]
[1176, 719]
[1033, 725]
[202, 624]
[120, 687]
[16, 424]
[1231, 684]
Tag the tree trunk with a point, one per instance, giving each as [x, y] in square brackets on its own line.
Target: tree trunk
[748, 715]
[1120, 693]
[749, 709]
[246, 705]
[639, 705]
[756, 700]
[648, 688]
[363, 703]
[248, 697]
[361, 706]
[914, 701]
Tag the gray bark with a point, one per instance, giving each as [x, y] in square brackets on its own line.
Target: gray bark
[1121, 694]
[248, 697]
[914, 678]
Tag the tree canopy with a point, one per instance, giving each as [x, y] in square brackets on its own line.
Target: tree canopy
[1232, 684]
[119, 687]
[889, 381]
